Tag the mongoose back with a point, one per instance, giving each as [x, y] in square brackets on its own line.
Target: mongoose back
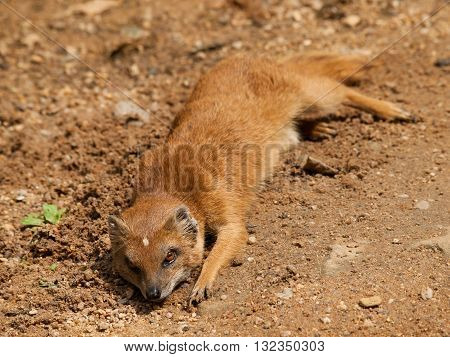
[227, 140]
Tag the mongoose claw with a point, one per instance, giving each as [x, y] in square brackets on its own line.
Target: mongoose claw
[322, 130]
[393, 113]
[318, 130]
[199, 294]
[408, 117]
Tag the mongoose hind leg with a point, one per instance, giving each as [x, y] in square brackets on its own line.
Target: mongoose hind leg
[381, 108]
[348, 69]
[323, 78]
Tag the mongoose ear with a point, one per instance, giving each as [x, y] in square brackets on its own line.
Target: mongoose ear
[182, 221]
[117, 228]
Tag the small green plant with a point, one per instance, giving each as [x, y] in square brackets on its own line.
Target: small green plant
[50, 214]
[53, 266]
[31, 220]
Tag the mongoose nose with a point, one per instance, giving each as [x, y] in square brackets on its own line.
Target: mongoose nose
[153, 293]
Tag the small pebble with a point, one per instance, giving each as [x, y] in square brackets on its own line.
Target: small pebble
[325, 320]
[32, 312]
[102, 326]
[36, 59]
[237, 261]
[88, 275]
[237, 45]
[21, 195]
[126, 109]
[372, 301]
[31, 39]
[251, 228]
[134, 70]
[442, 62]
[316, 4]
[291, 269]
[297, 243]
[285, 294]
[423, 204]
[88, 329]
[251, 239]
[427, 293]
[223, 297]
[342, 306]
[351, 20]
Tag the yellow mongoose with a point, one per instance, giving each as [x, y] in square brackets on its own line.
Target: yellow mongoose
[226, 141]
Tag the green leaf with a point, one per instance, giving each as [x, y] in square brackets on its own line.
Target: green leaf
[53, 266]
[31, 220]
[51, 213]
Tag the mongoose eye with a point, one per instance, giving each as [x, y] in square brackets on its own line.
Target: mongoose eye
[135, 269]
[170, 257]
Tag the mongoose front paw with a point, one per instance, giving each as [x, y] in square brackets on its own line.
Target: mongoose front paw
[317, 130]
[322, 130]
[199, 293]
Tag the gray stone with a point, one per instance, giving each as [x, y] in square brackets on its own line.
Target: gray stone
[126, 110]
[440, 243]
[340, 258]
[21, 195]
[423, 205]
[427, 293]
[286, 294]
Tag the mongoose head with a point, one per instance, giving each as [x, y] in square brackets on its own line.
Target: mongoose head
[155, 245]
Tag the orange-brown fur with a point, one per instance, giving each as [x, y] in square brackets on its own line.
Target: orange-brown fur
[242, 107]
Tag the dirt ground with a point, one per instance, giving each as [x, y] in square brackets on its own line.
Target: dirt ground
[381, 227]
